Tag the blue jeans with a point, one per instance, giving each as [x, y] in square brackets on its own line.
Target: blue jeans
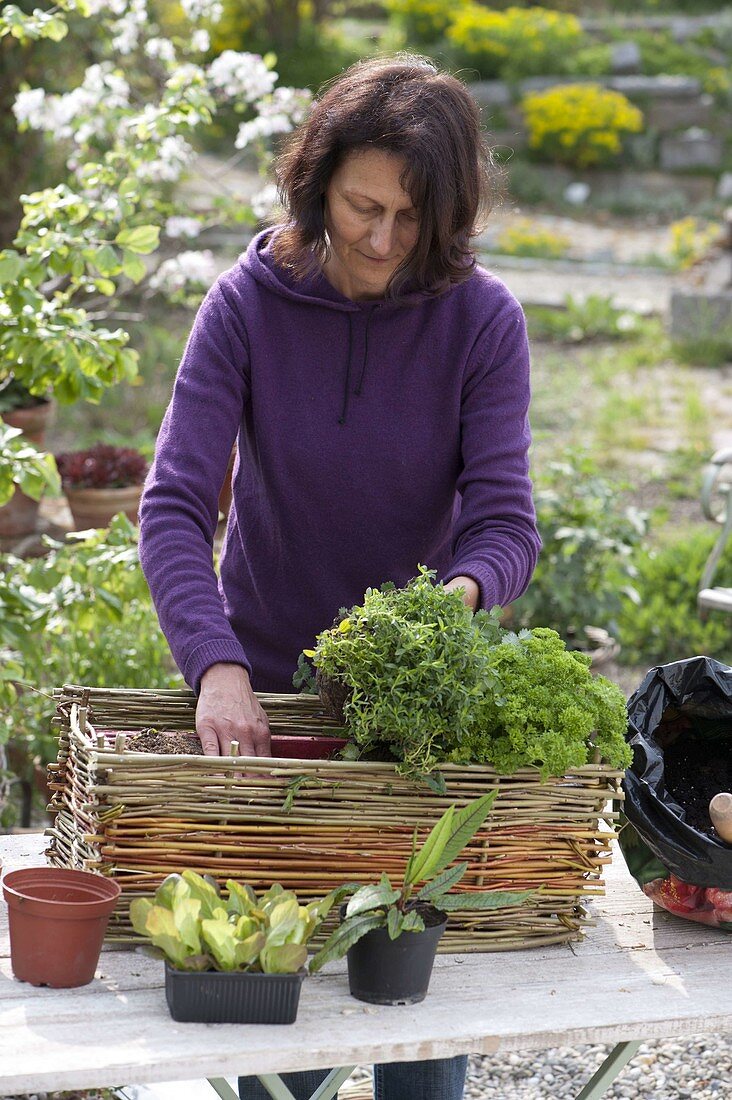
[439, 1079]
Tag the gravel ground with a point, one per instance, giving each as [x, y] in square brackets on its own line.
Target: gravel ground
[669, 1069]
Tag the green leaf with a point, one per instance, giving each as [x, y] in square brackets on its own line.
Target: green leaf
[106, 260]
[394, 923]
[428, 856]
[186, 916]
[242, 899]
[220, 936]
[105, 286]
[443, 882]
[166, 890]
[202, 889]
[465, 825]
[344, 936]
[10, 266]
[143, 239]
[139, 909]
[283, 919]
[163, 933]
[133, 267]
[413, 922]
[374, 896]
[486, 899]
[247, 950]
[286, 958]
[435, 781]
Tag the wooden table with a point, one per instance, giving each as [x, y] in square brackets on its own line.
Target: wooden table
[640, 974]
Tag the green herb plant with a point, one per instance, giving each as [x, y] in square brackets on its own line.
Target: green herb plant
[586, 570]
[416, 661]
[400, 909]
[196, 928]
[550, 712]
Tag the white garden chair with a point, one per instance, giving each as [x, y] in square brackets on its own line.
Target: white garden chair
[717, 506]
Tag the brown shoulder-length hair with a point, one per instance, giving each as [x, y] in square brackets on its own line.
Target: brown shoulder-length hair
[404, 105]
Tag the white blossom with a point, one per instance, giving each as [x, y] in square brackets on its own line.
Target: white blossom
[265, 204]
[200, 41]
[174, 155]
[186, 271]
[116, 7]
[28, 107]
[126, 35]
[295, 103]
[128, 29]
[179, 226]
[241, 75]
[260, 127]
[276, 114]
[626, 322]
[161, 49]
[577, 192]
[77, 112]
[197, 10]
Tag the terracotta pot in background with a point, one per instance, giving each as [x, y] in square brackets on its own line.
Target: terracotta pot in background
[32, 421]
[57, 918]
[96, 507]
[20, 515]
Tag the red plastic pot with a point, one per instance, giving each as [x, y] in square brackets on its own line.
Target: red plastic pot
[57, 917]
[305, 748]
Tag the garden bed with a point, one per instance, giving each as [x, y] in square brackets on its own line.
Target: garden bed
[313, 825]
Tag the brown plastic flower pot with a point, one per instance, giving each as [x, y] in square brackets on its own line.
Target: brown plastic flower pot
[57, 917]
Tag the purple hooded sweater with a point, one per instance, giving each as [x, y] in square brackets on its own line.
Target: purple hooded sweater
[372, 437]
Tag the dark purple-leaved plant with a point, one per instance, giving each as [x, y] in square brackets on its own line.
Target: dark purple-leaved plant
[101, 467]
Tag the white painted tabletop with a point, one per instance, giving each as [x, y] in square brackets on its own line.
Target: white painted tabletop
[639, 974]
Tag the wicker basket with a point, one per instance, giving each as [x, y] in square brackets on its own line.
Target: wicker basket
[312, 825]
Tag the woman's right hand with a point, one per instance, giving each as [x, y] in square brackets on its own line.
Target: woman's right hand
[228, 710]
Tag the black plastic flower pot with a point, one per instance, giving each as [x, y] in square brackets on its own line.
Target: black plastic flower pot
[383, 971]
[232, 997]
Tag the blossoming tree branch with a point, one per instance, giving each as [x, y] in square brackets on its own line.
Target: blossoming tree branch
[129, 137]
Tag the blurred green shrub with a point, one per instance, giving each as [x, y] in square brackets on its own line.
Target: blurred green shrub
[594, 318]
[423, 22]
[515, 43]
[82, 614]
[586, 570]
[665, 624]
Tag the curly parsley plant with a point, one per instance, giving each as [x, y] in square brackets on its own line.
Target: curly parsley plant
[549, 711]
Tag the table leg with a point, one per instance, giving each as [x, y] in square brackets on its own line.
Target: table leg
[223, 1088]
[278, 1090]
[616, 1060]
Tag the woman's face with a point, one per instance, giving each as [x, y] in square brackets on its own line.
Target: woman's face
[371, 222]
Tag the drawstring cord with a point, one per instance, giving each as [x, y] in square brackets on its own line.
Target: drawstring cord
[342, 417]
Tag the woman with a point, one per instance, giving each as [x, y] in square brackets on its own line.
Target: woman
[376, 380]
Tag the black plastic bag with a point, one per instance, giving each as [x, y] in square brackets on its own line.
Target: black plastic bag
[682, 867]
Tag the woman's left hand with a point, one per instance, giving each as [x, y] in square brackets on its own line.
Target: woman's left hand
[470, 590]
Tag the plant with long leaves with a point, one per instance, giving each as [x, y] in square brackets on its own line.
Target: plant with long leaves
[429, 875]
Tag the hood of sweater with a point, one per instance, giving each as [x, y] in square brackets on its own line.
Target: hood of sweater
[316, 290]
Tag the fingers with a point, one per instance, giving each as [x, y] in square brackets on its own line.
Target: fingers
[228, 711]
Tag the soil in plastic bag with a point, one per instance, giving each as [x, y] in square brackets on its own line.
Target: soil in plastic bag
[680, 729]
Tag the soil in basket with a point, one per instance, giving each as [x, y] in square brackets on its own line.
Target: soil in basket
[696, 770]
[153, 741]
